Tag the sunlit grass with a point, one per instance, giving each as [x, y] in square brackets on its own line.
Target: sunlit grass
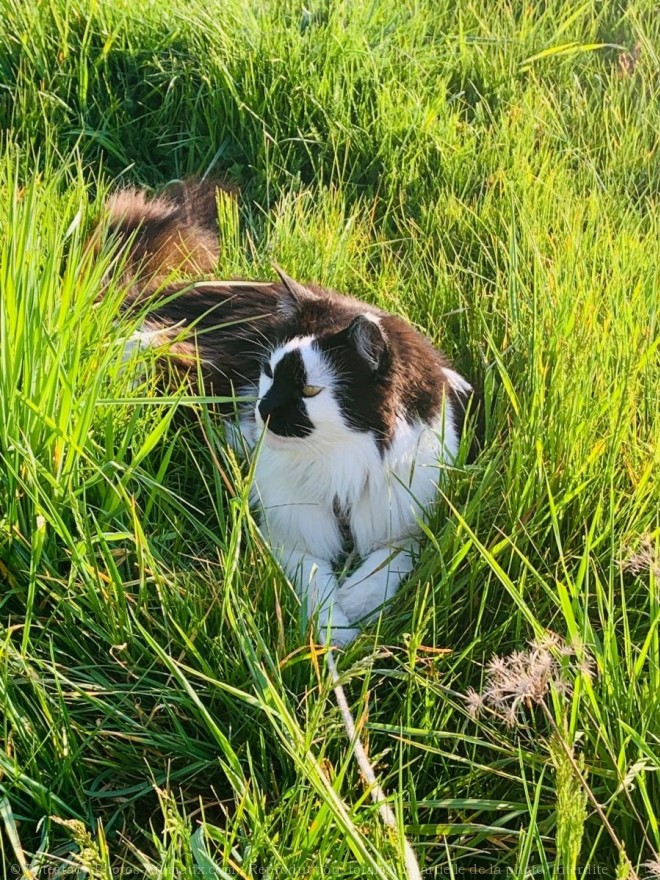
[490, 172]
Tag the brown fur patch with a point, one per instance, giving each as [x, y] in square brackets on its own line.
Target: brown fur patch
[173, 232]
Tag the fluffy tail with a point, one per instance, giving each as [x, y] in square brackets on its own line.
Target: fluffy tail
[176, 231]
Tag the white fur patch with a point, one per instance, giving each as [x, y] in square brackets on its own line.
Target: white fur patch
[457, 382]
[139, 341]
[299, 480]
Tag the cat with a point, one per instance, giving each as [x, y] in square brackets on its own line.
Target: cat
[356, 412]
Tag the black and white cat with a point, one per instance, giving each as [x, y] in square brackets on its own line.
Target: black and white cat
[356, 416]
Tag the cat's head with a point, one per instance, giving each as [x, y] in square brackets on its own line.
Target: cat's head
[345, 367]
[326, 386]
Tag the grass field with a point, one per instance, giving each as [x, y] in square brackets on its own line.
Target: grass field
[489, 170]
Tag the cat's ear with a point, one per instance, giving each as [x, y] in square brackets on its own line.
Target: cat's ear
[369, 340]
[298, 292]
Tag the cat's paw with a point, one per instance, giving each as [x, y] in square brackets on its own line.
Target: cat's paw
[339, 636]
[360, 597]
[334, 627]
[352, 604]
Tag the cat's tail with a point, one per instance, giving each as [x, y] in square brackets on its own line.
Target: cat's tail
[173, 232]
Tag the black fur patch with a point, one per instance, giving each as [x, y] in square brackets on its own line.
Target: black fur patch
[227, 330]
[283, 405]
[363, 393]
[234, 327]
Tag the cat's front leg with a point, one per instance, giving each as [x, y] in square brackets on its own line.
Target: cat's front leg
[316, 584]
[375, 581]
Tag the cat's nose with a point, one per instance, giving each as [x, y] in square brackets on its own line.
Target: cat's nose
[266, 408]
[273, 400]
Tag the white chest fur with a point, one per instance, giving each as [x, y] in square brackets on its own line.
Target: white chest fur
[298, 488]
[299, 485]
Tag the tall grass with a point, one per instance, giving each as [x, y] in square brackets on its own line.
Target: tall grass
[488, 171]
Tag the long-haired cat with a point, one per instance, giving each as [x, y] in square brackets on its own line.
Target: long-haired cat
[356, 414]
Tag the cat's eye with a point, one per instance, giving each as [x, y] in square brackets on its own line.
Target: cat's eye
[268, 371]
[311, 390]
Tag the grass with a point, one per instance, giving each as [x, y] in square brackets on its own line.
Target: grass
[488, 170]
